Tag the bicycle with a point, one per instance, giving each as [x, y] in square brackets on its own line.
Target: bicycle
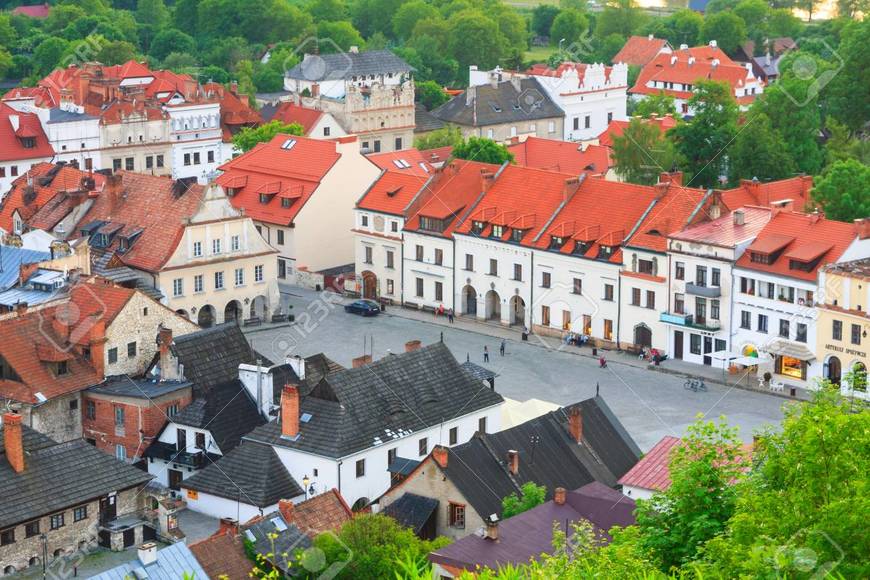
[695, 385]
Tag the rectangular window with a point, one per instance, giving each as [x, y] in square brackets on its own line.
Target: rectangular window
[439, 291]
[469, 262]
[364, 220]
[129, 164]
[187, 158]
[714, 309]
[518, 272]
[481, 425]
[131, 349]
[120, 452]
[119, 416]
[398, 143]
[149, 162]
[608, 329]
[419, 282]
[160, 161]
[361, 468]
[439, 256]
[91, 410]
[608, 292]
[113, 355]
[700, 310]
[56, 521]
[856, 334]
[762, 323]
[566, 320]
[679, 304]
[576, 123]
[635, 296]
[326, 131]
[196, 158]
[701, 276]
[197, 249]
[198, 283]
[116, 165]
[419, 252]
[577, 286]
[177, 287]
[239, 277]
[650, 299]
[7, 537]
[367, 259]
[390, 259]
[390, 286]
[695, 343]
[423, 447]
[216, 246]
[391, 455]
[210, 156]
[80, 513]
[745, 319]
[837, 330]
[31, 529]
[800, 332]
[454, 435]
[545, 315]
[493, 267]
[457, 515]
[545, 279]
[234, 241]
[645, 266]
[258, 273]
[783, 328]
[587, 122]
[218, 280]
[715, 277]
[172, 410]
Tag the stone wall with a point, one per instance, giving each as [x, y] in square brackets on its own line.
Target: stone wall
[58, 418]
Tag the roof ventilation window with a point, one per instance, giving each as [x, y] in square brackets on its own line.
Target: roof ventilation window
[306, 417]
[495, 107]
[288, 144]
[279, 524]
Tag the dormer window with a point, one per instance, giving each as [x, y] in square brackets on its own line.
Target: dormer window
[556, 242]
[433, 224]
[759, 258]
[286, 202]
[497, 231]
[604, 252]
[265, 197]
[517, 235]
[477, 227]
[28, 142]
[581, 248]
[61, 368]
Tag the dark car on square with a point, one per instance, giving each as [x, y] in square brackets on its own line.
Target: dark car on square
[363, 308]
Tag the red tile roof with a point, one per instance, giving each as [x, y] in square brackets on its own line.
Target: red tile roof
[792, 236]
[438, 155]
[295, 172]
[724, 231]
[452, 192]
[676, 208]
[639, 50]
[292, 113]
[411, 161]
[796, 189]
[223, 556]
[392, 192]
[99, 298]
[322, 513]
[235, 112]
[27, 340]
[652, 471]
[521, 198]
[544, 70]
[15, 127]
[617, 128]
[155, 205]
[35, 11]
[561, 156]
[675, 68]
[46, 182]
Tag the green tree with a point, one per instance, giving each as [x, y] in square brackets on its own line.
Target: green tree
[474, 39]
[570, 25]
[781, 22]
[642, 152]
[380, 547]
[701, 143]
[6, 62]
[179, 62]
[701, 499]
[370, 16]
[531, 495]
[843, 190]
[483, 150]
[116, 52]
[726, 28]
[683, 27]
[407, 17]
[171, 40]
[842, 146]
[542, 18]
[759, 151]
[851, 8]
[794, 112]
[48, 54]
[152, 13]
[327, 10]
[660, 105]
[249, 137]
[341, 34]
[607, 48]
[8, 34]
[798, 513]
[622, 17]
[430, 94]
[185, 15]
[754, 14]
[448, 136]
[849, 90]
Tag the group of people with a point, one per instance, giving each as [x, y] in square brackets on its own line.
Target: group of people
[440, 311]
[501, 350]
[576, 339]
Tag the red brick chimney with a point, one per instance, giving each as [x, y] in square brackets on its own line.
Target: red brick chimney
[97, 345]
[863, 228]
[285, 506]
[559, 496]
[362, 360]
[513, 461]
[21, 308]
[439, 454]
[290, 412]
[674, 177]
[13, 442]
[575, 425]
[228, 526]
[412, 345]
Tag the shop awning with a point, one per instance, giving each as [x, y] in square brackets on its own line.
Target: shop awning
[784, 347]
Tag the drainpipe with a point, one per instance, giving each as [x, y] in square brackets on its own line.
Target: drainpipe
[340, 463]
[618, 308]
[531, 290]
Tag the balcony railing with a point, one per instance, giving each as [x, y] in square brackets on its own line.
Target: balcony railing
[706, 291]
[168, 452]
[688, 320]
[681, 319]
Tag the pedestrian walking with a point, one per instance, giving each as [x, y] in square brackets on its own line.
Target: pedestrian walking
[450, 316]
[502, 347]
[602, 362]
[485, 354]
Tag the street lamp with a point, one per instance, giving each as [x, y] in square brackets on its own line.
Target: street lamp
[560, 45]
[305, 483]
[44, 539]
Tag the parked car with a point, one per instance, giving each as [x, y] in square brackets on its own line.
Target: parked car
[363, 308]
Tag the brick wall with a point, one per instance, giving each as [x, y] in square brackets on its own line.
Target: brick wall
[143, 419]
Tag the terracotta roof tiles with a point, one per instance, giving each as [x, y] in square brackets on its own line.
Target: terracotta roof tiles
[652, 471]
[561, 156]
[392, 192]
[15, 129]
[325, 512]
[639, 50]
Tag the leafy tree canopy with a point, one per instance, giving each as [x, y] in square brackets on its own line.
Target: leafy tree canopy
[532, 495]
[483, 150]
[843, 190]
[248, 137]
[451, 136]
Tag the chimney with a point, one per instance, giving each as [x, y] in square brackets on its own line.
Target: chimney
[487, 179]
[21, 308]
[228, 526]
[650, 37]
[559, 496]
[439, 454]
[361, 361]
[168, 370]
[493, 81]
[691, 60]
[13, 442]
[234, 88]
[297, 363]
[315, 90]
[97, 345]
[290, 412]
[285, 507]
[575, 425]
[674, 177]
[354, 49]
[412, 345]
[569, 185]
[684, 47]
[739, 217]
[713, 44]
[513, 461]
[517, 83]
[492, 528]
[147, 553]
[470, 95]
[863, 228]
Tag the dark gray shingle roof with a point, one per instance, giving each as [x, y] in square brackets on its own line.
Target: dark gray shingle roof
[124, 386]
[355, 409]
[58, 476]
[500, 104]
[412, 510]
[425, 121]
[345, 65]
[272, 534]
[251, 473]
